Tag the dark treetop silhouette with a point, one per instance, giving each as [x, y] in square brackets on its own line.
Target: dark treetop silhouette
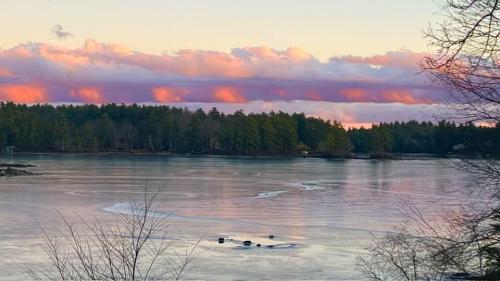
[111, 127]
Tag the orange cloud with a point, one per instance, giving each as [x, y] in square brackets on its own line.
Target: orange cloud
[298, 54]
[19, 93]
[92, 46]
[88, 95]
[21, 51]
[244, 74]
[229, 95]
[169, 94]
[5, 73]
[403, 96]
[196, 63]
[357, 95]
[62, 56]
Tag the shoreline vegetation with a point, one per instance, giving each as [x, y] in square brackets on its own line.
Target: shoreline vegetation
[147, 129]
[15, 169]
[353, 156]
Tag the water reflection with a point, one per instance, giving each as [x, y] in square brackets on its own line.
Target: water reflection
[328, 207]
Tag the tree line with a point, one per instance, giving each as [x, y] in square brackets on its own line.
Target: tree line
[144, 128]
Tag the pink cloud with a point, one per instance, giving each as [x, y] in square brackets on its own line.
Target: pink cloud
[21, 93]
[403, 96]
[357, 95]
[168, 94]
[246, 74]
[92, 46]
[402, 58]
[228, 95]
[88, 95]
[200, 63]
[62, 56]
[184, 62]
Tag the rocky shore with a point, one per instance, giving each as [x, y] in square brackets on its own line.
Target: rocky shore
[7, 169]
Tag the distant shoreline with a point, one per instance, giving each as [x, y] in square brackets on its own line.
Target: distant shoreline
[354, 156]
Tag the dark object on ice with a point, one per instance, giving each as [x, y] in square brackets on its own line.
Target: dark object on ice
[15, 169]
[258, 245]
[270, 246]
[271, 236]
[221, 240]
[247, 243]
[16, 165]
[14, 172]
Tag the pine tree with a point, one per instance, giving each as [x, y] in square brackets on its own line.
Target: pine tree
[380, 141]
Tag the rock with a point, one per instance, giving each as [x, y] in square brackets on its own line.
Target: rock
[221, 240]
[16, 165]
[258, 245]
[271, 236]
[14, 172]
[247, 243]
[270, 246]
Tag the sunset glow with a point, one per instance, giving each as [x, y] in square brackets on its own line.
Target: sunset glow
[88, 95]
[249, 140]
[228, 94]
[168, 94]
[78, 67]
[22, 93]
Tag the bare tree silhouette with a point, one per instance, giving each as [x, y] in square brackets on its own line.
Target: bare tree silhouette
[465, 243]
[133, 247]
[466, 60]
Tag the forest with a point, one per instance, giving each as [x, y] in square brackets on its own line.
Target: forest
[146, 128]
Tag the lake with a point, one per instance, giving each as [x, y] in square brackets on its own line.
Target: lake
[326, 209]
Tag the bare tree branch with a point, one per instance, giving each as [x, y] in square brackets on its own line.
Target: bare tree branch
[133, 247]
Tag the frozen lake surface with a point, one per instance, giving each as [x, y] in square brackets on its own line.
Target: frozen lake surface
[322, 212]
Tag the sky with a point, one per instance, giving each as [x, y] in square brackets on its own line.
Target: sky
[352, 61]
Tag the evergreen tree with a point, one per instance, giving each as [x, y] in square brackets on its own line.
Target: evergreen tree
[122, 127]
[105, 133]
[380, 141]
[336, 143]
